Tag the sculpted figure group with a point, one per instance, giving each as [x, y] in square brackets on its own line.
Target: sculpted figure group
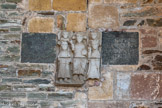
[78, 58]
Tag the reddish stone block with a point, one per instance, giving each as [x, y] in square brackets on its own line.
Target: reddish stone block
[146, 86]
[148, 31]
[148, 42]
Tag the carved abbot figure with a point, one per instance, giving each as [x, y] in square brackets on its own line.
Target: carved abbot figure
[64, 63]
[79, 61]
[94, 61]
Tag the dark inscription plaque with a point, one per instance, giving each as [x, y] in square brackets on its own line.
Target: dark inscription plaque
[38, 48]
[120, 48]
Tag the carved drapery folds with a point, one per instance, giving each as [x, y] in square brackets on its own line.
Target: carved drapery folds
[78, 58]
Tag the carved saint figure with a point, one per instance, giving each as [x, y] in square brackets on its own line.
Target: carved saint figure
[94, 61]
[64, 59]
[79, 61]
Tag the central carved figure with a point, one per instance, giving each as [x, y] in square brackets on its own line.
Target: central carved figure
[79, 61]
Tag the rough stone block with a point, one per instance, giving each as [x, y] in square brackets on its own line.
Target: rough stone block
[157, 62]
[76, 22]
[11, 80]
[5, 88]
[24, 88]
[29, 73]
[123, 82]
[39, 96]
[129, 23]
[146, 86]
[41, 25]
[60, 96]
[102, 16]
[95, 1]
[11, 95]
[8, 6]
[144, 12]
[37, 81]
[40, 5]
[120, 1]
[15, 29]
[120, 48]
[154, 22]
[14, 1]
[148, 31]
[108, 104]
[38, 48]
[104, 92]
[149, 42]
[70, 5]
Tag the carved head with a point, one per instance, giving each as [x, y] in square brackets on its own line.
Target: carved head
[79, 38]
[94, 35]
[65, 34]
[64, 45]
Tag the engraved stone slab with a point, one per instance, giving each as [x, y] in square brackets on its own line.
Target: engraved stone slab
[38, 48]
[120, 48]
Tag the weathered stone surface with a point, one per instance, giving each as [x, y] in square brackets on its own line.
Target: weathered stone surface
[154, 22]
[29, 73]
[95, 1]
[149, 42]
[39, 96]
[146, 1]
[157, 62]
[70, 5]
[102, 16]
[15, 29]
[14, 1]
[129, 23]
[11, 95]
[146, 86]
[141, 23]
[5, 88]
[37, 81]
[40, 5]
[103, 92]
[108, 104]
[144, 12]
[76, 22]
[13, 50]
[123, 82]
[8, 6]
[144, 67]
[120, 1]
[60, 96]
[151, 51]
[35, 25]
[60, 22]
[44, 87]
[148, 31]
[160, 1]
[120, 48]
[38, 48]
[47, 13]
[11, 80]
[3, 30]
[2, 1]
[24, 88]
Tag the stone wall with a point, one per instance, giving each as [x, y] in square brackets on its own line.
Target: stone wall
[32, 85]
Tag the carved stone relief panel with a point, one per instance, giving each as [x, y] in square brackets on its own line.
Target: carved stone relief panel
[78, 58]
